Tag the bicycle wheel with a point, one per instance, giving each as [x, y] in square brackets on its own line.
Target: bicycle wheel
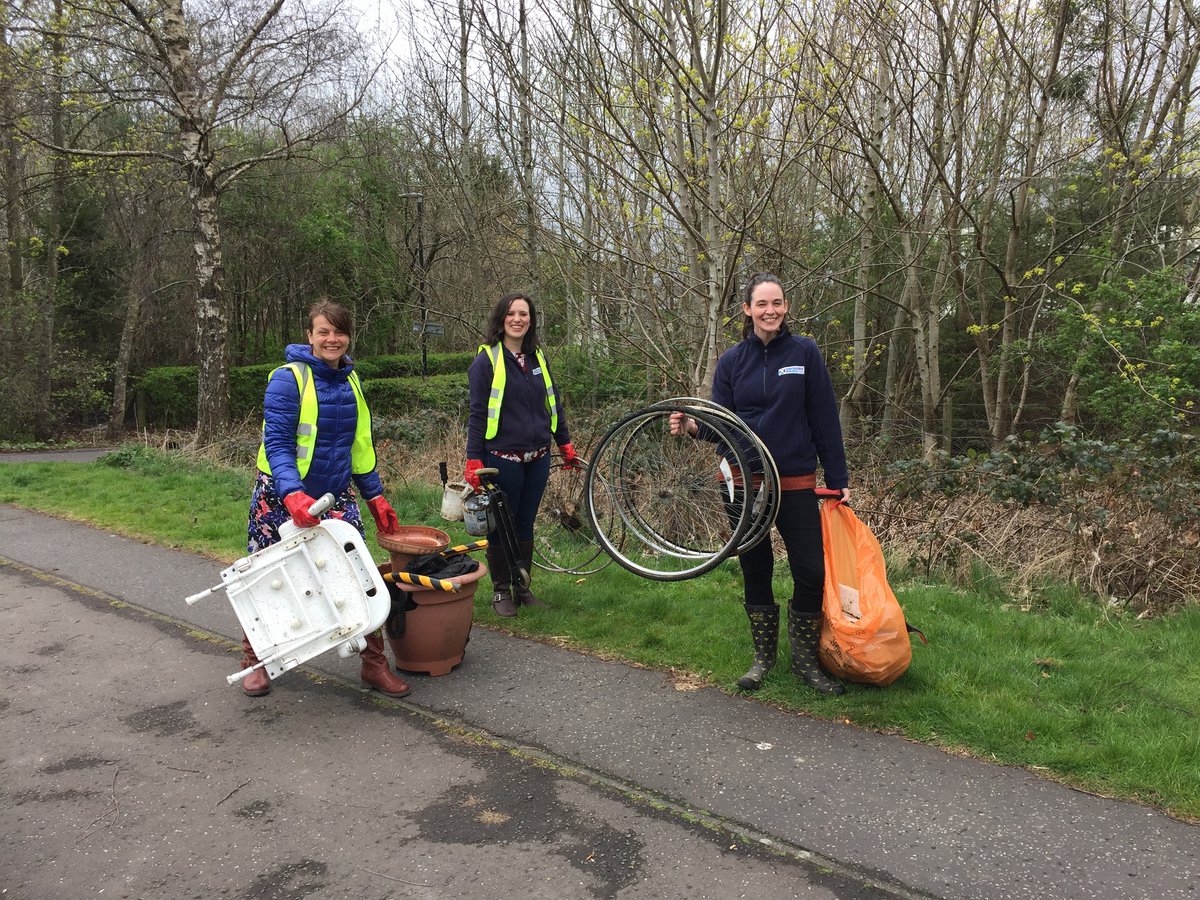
[677, 517]
[563, 537]
[664, 528]
[764, 474]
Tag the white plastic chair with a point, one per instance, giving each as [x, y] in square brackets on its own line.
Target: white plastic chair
[316, 589]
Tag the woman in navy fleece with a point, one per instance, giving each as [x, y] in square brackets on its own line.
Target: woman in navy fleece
[514, 414]
[778, 384]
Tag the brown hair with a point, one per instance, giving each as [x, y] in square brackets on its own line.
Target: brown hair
[337, 315]
[494, 333]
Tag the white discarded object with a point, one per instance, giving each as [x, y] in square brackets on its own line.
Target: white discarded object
[453, 495]
[316, 589]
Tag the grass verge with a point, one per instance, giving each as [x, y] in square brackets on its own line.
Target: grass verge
[1100, 700]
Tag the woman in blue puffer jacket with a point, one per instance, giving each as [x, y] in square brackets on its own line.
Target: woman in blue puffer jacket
[316, 441]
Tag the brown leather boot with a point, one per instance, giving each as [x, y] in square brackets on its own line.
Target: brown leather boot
[377, 673]
[258, 682]
[502, 598]
[521, 592]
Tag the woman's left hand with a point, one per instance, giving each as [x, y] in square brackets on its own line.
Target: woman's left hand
[386, 521]
[570, 460]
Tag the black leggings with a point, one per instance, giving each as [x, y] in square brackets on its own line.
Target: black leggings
[799, 524]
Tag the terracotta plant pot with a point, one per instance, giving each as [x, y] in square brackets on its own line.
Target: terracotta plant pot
[412, 540]
[436, 632]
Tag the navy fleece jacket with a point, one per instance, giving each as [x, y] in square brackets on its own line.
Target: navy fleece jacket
[783, 392]
[524, 419]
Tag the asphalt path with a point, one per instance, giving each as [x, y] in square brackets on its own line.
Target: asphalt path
[130, 765]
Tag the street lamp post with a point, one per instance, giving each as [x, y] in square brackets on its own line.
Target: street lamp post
[423, 306]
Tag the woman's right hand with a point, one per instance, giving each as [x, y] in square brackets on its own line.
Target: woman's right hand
[297, 503]
[681, 423]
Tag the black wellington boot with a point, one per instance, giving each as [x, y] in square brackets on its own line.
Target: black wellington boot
[764, 631]
[804, 635]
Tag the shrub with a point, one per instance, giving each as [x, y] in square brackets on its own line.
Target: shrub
[409, 364]
[1116, 518]
[590, 381]
[398, 396]
[168, 396]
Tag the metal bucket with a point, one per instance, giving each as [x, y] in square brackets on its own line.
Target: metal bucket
[453, 495]
[475, 514]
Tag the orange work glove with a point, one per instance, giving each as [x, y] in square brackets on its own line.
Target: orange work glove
[384, 516]
[297, 503]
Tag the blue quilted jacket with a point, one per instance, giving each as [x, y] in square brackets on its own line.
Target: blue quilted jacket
[337, 416]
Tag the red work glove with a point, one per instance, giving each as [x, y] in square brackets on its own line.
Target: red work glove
[297, 503]
[469, 476]
[384, 516]
[570, 460]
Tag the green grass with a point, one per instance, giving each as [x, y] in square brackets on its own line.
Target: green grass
[1066, 688]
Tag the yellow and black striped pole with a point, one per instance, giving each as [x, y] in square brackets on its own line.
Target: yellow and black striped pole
[423, 580]
[465, 548]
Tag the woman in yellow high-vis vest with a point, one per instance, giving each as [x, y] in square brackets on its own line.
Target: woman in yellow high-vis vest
[316, 441]
[515, 413]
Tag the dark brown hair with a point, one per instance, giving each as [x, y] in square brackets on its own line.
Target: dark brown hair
[494, 333]
[337, 315]
[755, 280]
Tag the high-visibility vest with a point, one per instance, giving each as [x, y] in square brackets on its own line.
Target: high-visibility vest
[362, 451]
[496, 397]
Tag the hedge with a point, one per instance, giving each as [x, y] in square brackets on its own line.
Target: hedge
[166, 396]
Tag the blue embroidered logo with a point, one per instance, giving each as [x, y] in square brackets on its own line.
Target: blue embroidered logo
[791, 370]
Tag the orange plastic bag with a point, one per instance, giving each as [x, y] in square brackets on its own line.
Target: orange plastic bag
[864, 637]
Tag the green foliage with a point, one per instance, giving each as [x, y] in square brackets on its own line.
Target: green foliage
[588, 380]
[402, 365]
[1060, 466]
[437, 393]
[169, 394]
[246, 387]
[170, 391]
[1116, 517]
[80, 392]
[1141, 368]
[394, 388]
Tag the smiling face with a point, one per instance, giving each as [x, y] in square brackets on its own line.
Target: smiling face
[767, 310]
[516, 324]
[329, 344]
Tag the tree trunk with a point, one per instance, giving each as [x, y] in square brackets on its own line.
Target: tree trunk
[43, 426]
[116, 418]
[852, 403]
[212, 324]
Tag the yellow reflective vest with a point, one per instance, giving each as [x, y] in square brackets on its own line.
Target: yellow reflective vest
[362, 451]
[499, 377]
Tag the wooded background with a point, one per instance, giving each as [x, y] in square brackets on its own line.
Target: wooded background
[985, 211]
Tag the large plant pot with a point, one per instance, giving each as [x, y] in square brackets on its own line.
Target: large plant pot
[436, 632]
